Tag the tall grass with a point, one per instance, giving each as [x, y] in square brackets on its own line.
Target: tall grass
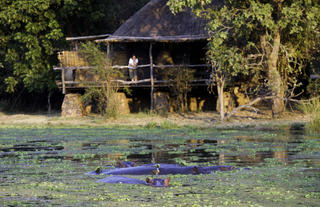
[312, 109]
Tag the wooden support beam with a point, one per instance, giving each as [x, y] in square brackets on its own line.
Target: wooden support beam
[89, 67]
[108, 50]
[92, 37]
[151, 77]
[148, 80]
[63, 81]
[314, 76]
[182, 66]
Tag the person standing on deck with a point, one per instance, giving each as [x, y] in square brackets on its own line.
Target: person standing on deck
[133, 64]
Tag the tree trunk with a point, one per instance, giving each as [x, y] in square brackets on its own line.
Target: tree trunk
[49, 102]
[220, 86]
[274, 78]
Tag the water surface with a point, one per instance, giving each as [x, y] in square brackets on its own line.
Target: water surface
[42, 166]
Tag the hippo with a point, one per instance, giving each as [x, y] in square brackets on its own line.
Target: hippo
[125, 180]
[162, 169]
[129, 168]
[123, 164]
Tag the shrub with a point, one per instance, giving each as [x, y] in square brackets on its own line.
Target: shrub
[102, 92]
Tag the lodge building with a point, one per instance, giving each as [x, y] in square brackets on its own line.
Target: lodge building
[165, 44]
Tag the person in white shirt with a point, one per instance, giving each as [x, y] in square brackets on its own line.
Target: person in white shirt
[133, 63]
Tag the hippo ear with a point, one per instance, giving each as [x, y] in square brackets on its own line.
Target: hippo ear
[148, 180]
[224, 168]
[166, 182]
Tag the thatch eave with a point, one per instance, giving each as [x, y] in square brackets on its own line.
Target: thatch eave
[91, 37]
[180, 38]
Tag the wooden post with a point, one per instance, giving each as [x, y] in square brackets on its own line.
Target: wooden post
[151, 78]
[76, 46]
[63, 81]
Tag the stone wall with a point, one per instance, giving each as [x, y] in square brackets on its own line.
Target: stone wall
[196, 104]
[123, 103]
[72, 106]
[228, 102]
[161, 101]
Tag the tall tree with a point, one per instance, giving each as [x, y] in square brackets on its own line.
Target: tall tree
[28, 34]
[275, 37]
[31, 32]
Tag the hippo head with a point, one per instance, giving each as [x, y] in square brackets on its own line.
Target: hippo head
[158, 182]
[125, 164]
[195, 170]
[98, 170]
[226, 168]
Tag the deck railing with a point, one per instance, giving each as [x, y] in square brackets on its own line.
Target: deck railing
[70, 72]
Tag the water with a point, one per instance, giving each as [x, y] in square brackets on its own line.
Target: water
[47, 166]
[184, 146]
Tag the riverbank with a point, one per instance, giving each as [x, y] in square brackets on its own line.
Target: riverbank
[202, 119]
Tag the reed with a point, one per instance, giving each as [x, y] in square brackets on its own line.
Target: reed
[312, 109]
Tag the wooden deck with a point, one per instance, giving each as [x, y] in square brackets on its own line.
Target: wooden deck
[149, 75]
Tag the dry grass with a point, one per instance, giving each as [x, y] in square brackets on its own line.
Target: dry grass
[201, 119]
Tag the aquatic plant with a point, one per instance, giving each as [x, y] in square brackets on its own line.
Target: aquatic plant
[168, 125]
[151, 125]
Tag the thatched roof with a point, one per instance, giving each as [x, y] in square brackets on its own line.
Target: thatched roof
[155, 22]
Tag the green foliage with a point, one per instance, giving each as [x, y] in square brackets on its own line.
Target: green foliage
[179, 80]
[103, 94]
[28, 32]
[32, 31]
[243, 35]
[313, 88]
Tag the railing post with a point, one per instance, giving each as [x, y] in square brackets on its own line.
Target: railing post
[151, 78]
[63, 81]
